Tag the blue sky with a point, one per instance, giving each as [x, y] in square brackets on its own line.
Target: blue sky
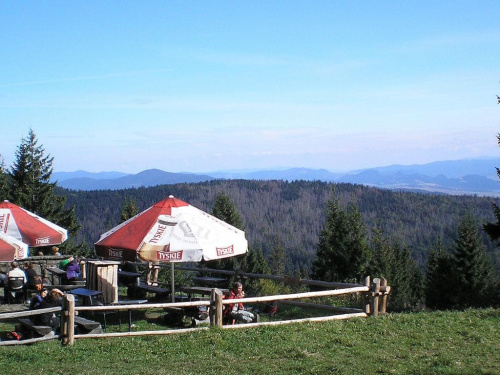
[201, 86]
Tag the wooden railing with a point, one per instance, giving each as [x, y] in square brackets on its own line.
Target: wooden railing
[374, 302]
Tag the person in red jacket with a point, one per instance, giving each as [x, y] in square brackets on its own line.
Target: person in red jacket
[237, 311]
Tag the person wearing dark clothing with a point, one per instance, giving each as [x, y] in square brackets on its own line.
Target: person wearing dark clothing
[53, 299]
[33, 278]
[37, 299]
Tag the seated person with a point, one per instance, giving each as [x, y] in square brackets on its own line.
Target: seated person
[237, 311]
[14, 272]
[63, 264]
[55, 251]
[52, 299]
[34, 280]
[37, 299]
[73, 272]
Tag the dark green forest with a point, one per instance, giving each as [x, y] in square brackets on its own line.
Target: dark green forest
[292, 213]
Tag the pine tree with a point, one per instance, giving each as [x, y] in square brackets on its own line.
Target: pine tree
[476, 280]
[342, 251]
[30, 186]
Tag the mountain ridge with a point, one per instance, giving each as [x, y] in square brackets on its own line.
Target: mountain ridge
[469, 176]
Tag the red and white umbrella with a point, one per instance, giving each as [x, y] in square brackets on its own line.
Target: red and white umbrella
[172, 231]
[12, 249]
[28, 227]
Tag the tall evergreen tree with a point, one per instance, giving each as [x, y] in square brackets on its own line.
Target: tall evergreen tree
[476, 280]
[255, 262]
[4, 180]
[225, 210]
[30, 186]
[382, 255]
[493, 229]
[440, 278]
[393, 261]
[342, 251]
[129, 210]
[406, 279]
[277, 258]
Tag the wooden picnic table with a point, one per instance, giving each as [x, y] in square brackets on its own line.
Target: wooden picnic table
[56, 272]
[130, 302]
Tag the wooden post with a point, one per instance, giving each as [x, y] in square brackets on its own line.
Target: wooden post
[69, 320]
[366, 297]
[216, 306]
[375, 296]
[385, 292]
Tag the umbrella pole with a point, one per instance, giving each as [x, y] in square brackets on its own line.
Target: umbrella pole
[172, 281]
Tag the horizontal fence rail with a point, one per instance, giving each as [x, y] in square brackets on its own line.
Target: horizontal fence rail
[374, 296]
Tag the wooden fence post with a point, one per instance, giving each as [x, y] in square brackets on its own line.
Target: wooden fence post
[375, 296]
[68, 318]
[216, 307]
[385, 291]
[366, 297]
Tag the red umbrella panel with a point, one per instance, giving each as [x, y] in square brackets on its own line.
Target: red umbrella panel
[172, 231]
[28, 227]
[12, 249]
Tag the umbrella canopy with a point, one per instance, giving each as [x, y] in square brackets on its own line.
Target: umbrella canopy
[172, 231]
[28, 227]
[12, 249]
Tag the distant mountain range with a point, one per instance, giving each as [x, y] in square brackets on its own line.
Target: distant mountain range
[477, 176]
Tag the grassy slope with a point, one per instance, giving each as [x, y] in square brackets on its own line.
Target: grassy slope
[421, 343]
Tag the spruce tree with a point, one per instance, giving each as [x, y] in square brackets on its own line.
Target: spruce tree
[30, 186]
[225, 210]
[393, 261]
[475, 274]
[493, 229]
[277, 258]
[406, 280]
[342, 251]
[440, 279]
[4, 180]
[129, 210]
[255, 262]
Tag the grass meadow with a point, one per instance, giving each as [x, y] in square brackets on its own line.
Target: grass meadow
[465, 342]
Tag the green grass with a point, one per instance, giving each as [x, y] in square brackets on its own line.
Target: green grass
[420, 343]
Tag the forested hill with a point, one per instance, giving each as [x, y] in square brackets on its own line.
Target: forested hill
[293, 212]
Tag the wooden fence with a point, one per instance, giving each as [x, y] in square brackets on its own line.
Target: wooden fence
[374, 302]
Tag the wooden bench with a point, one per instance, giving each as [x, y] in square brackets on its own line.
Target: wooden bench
[85, 326]
[32, 329]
